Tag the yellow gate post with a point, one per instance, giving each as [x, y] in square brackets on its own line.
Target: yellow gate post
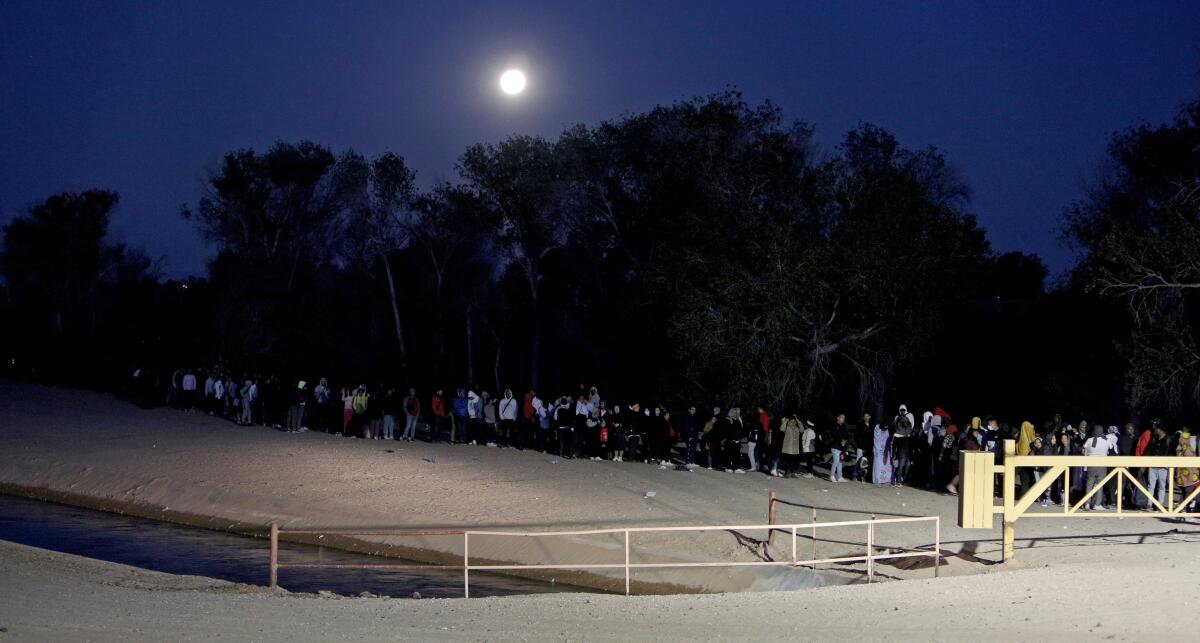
[976, 498]
[976, 475]
[1010, 489]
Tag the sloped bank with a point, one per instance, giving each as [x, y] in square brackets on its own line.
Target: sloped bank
[520, 550]
[92, 450]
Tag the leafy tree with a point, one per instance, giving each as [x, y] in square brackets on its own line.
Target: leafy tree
[778, 274]
[379, 199]
[520, 185]
[275, 218]
[56, 255]
[1139, 234]
[448, 241]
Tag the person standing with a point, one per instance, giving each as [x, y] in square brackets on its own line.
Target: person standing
[189, 391]
[388, 408]
[489, 420]
[863, 438]
[789, 450]
[616, 432]
[375, 411]
[668, 435]
[1097, 446]
[764, 438]
[462, 414]
[412, 412]
[295, 417]
[322, 398]
[539, 423]
[635, 429]
[808, 448]
[564, 422]
[838, 441]
[881, 472]
[691, 432]
[347, 410]
[249, 399]
[474, 416]
[583, 411]
[508, 419]
[360, 403]
[437, 406]
[529, 420]
[903, 428]
[711, 436]
[1186, 478]
[1157, 476]
[209, 393]
[731, 443]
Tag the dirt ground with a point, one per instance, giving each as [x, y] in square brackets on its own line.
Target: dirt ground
[97, 450]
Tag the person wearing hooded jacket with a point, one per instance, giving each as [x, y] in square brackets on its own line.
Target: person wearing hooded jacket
[1099, 445]
[474, 417]
[412, 413]
[808, 448]
[1025, 441]
[902, 432]
[508, 419]
[1158, 445]
[792, 431]
[462, 414]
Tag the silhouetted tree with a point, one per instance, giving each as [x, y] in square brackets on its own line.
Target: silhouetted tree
[1139, 231]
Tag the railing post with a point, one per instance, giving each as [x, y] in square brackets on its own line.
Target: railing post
[274, 555]
[871, 549]
[466, 564]
[627, 562]
[814, 538]
[937, 544]
[794, 546]
[771, 517]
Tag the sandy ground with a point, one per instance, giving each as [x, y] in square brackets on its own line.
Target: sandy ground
[93, 449]
[58, 597]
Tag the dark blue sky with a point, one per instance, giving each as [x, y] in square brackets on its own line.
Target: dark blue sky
[144, 98]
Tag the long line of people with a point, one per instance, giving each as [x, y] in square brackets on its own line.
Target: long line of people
[896, 451]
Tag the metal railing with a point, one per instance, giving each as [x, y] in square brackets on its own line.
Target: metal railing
[870, 556]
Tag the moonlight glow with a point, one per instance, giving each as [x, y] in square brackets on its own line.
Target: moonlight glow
[512, 82]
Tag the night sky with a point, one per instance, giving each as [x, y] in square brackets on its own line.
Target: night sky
[144, 98]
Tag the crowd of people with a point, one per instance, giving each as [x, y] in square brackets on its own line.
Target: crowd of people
[897, 450]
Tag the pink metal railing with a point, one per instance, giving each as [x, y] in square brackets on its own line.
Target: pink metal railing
[870, 556]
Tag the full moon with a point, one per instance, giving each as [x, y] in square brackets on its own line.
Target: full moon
[512, 82]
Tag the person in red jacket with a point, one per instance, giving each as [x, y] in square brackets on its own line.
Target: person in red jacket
[763, 441]
[437, 405]
[529, 422]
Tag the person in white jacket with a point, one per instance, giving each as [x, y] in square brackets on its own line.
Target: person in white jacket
[474, 416]
[1098, 446]
[508, 419]
[808, 448]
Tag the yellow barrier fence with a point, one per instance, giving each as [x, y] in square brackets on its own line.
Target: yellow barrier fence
[976, 500]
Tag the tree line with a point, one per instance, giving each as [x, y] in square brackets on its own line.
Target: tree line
[707, 249]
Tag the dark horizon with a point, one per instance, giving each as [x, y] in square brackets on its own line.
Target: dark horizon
[144, 99]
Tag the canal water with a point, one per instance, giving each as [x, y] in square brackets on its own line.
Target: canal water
[178, 549]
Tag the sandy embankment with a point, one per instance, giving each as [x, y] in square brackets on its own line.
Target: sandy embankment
[50, 596]
[91, 449]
